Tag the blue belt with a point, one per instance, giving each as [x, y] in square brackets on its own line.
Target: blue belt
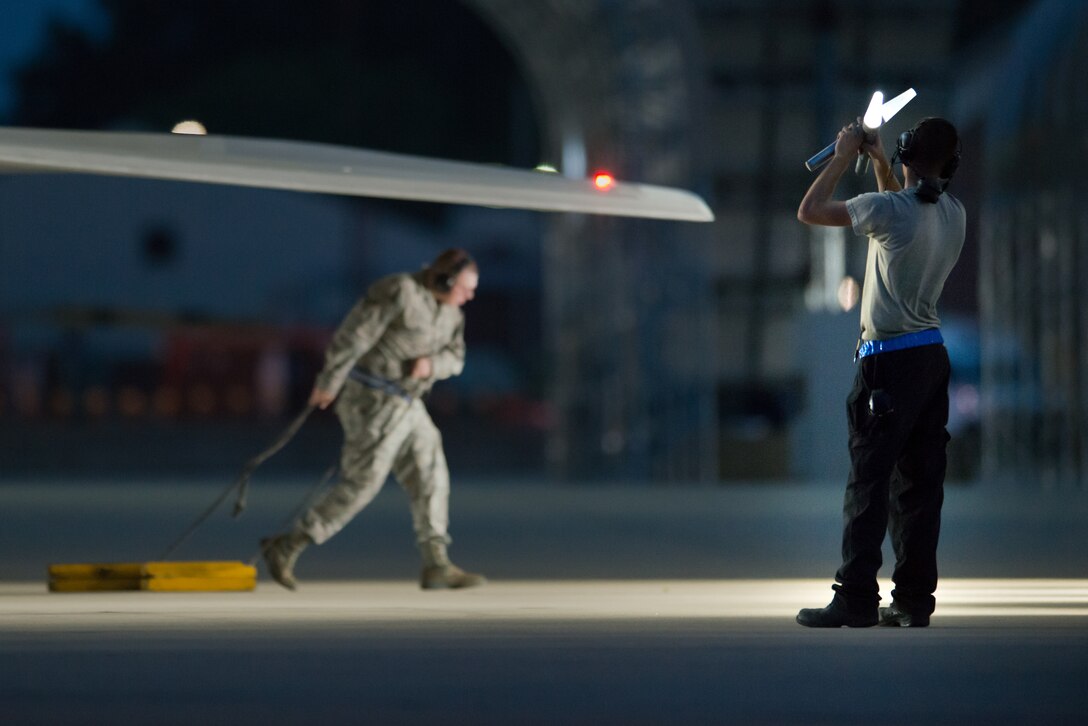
[378, 383]
[899, 342]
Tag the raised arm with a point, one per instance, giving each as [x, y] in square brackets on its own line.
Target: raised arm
[818, 207]
[886, 181]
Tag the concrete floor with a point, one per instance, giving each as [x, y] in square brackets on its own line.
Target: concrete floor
[608, 604]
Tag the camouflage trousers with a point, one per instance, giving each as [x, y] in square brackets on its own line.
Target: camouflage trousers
[383, 434]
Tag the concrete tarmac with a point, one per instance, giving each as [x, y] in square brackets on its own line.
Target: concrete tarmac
[623, 604]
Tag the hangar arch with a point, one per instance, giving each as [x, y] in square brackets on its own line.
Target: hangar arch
[628, 305]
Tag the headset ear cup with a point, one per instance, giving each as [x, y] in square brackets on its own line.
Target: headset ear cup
[902, 145]
[444, 272]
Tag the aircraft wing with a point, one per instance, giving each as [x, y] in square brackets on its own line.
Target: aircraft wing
[330, 169]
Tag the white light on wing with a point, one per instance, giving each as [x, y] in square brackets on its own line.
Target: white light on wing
[194, 128]
[895, 105]
[873, 115]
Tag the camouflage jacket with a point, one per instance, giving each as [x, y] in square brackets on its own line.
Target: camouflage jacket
[396, 322]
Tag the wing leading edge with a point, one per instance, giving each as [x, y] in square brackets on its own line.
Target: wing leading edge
[330, 169]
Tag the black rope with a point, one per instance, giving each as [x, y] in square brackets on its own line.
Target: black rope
[243, 479]
[242, 482]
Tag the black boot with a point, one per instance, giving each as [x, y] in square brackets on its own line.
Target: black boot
[836, 615]
[894, 615]
[280, 554]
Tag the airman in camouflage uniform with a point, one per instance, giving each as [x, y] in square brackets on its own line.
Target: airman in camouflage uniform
[405, 334]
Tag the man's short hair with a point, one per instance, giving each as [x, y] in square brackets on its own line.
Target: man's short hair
[933, 145]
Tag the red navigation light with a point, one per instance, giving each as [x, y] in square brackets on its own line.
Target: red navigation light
[603, 180]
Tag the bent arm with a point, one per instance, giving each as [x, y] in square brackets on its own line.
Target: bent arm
[818, 207]
[450, 361]
[886, 181]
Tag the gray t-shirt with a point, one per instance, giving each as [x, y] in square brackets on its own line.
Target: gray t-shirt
[913, 246]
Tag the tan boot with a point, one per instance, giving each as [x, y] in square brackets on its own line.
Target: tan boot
[280, 554]
[440, 574]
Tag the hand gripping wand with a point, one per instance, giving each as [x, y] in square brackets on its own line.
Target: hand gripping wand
[878, 113]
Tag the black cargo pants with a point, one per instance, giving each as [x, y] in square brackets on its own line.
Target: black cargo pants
[896, 479]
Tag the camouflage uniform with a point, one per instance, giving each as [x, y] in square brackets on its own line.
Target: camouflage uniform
[398, 321]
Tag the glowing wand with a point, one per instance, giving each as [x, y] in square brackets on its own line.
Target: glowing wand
[878, 113]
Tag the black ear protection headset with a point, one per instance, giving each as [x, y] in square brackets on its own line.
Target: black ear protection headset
[445, 279]
[928, 189]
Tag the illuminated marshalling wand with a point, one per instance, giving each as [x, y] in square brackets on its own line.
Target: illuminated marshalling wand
[325, 168]
[878, 113]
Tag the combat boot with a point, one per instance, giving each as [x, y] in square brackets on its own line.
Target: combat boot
[280, 554]
[439, 573]
[838, 614]
[896, 615]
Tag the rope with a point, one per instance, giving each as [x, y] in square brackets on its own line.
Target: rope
[243, 479]
[242, 482]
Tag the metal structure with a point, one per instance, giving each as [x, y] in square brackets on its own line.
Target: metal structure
[1034, 257]
[628, 307]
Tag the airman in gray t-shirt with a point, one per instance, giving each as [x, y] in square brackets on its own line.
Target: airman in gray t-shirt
[913, 246]
[897, 409]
